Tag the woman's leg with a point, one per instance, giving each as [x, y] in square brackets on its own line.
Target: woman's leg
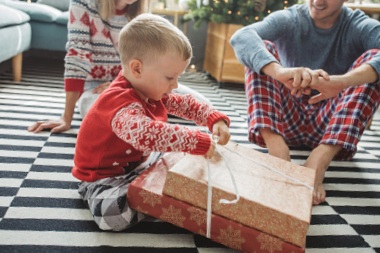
[86, 100]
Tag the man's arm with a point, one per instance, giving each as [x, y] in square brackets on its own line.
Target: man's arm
[248, 41]
[365, 73]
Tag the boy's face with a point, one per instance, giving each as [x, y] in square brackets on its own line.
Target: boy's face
[160, 76]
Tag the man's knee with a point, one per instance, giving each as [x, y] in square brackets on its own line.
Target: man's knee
[365, 57]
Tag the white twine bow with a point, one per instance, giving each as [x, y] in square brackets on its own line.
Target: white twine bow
[215, 139]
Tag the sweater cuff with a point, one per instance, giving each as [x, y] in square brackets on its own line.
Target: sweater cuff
[215, 117]
[203, 145]
[74, 85]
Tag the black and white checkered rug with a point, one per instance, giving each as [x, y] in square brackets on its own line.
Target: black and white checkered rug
[40, 210]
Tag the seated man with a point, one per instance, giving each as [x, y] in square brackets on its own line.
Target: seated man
[312, 78]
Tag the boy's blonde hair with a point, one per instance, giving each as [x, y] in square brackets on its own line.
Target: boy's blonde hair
[148, 36]
[107, 9]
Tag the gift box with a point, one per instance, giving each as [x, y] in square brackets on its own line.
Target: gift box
[145, 195]
[275, 195]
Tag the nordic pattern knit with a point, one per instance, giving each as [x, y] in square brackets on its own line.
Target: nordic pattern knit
[92, 53]
[121, 130]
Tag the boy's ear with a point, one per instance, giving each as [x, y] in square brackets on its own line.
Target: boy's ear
[135, 67]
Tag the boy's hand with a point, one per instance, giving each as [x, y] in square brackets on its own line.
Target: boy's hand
[211, 150]
[221, 130]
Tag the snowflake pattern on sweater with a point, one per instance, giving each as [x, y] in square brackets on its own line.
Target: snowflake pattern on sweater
[92, 53]
[147, 135]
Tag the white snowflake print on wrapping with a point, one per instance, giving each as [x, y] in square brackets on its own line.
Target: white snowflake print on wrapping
[144, 134]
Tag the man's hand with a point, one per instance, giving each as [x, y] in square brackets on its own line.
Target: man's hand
[331, 87]
[299, 80]
[328, 88]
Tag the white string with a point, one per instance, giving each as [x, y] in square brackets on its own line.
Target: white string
[209, 200]
[215, 139]
[276, 171]
[234, 201]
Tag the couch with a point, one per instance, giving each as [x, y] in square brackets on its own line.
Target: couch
[15, 37]
[47, 21]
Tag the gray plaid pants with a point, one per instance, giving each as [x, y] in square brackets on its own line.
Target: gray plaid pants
[107, 199]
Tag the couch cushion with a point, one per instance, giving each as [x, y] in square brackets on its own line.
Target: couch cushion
[62, 5]
[49, 36]
[36, 11]
[15, 39]
[63, 19]
[10, 16]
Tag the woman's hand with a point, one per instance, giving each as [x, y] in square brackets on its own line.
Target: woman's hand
[55, 126]
[100, 88]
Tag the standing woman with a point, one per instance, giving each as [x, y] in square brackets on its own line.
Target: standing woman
[92, 60]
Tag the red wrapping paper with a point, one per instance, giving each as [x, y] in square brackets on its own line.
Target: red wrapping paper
[145, 195]
[274, 198]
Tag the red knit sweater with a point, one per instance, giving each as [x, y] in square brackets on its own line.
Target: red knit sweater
[121, 130]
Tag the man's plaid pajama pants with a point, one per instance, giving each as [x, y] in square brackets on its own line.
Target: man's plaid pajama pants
[337, 121]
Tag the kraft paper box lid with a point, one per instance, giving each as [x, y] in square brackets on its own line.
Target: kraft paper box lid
[275, 195]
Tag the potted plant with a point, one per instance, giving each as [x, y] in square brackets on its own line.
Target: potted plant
[224, 17]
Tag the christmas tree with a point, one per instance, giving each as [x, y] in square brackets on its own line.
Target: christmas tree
[233, 11]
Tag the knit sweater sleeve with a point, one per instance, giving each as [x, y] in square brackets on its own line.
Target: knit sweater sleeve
[78, 58]
[92, 50]
[367, 33]
[145, 134]
[248, 43]
[188, 107]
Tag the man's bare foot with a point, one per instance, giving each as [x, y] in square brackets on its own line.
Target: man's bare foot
[320, 159]
[319, 194]
[280, 152]
[276, 144]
